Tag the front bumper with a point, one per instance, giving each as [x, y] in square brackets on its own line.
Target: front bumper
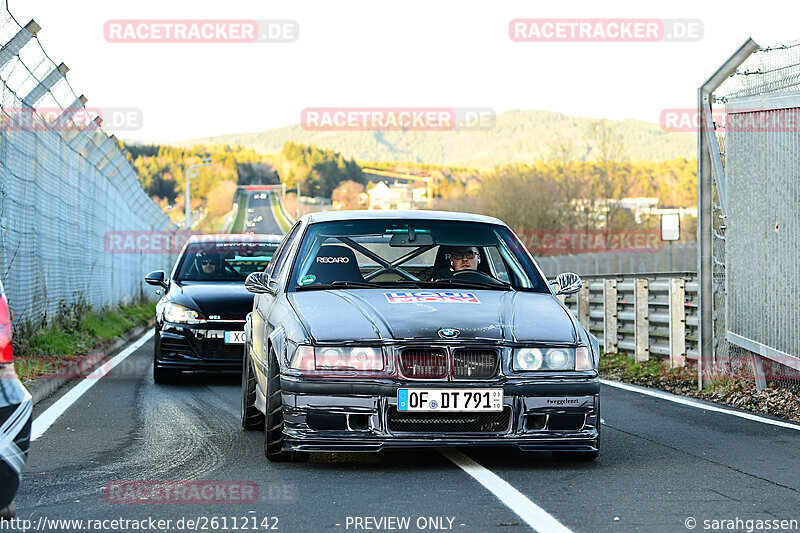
[362, 416]
[15, 432]
[199, 347]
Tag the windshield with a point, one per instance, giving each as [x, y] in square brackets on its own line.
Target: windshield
[223, 261]
[418, 253]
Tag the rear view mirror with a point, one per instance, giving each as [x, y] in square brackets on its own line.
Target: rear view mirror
[260, 283]
[568, 283]
[156, 278]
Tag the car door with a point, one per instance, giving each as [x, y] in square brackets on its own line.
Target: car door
[262, 325]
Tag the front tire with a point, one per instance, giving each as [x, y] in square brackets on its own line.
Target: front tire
[163, 376]
[252, 418]
[9, 512]
[273, 419]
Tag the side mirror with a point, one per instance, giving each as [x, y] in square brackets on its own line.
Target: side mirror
[260, 283]
[156, 278]
[568, 283]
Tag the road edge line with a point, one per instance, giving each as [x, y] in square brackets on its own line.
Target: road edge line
[532, 514]
[697, 404]
[46, 419]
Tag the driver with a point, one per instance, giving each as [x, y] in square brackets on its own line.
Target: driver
[207, 265]
[465, 258]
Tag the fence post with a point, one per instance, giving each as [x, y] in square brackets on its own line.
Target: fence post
[642, 320]
[677, 322]
[610, 316]
[758, 371]
[583, 306]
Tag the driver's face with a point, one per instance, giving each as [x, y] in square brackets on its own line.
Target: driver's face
[460, 259]
[208, 266]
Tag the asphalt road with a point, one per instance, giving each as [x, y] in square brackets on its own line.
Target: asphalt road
[261, 207]
[661, 463]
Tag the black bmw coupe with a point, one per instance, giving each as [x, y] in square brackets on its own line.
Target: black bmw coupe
[199, 318]
[405, 329]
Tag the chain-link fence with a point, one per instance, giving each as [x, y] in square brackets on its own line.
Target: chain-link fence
[65, 187]
[750, 209]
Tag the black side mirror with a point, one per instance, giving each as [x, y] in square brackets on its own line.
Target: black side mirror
[157, 278]
[260, 283]
[568, 283]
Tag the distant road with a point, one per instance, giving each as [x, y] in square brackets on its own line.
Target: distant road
[261, 208]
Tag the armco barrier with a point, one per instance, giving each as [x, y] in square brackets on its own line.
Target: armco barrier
[641, 315]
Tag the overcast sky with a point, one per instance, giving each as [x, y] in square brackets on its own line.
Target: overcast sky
[446, 53]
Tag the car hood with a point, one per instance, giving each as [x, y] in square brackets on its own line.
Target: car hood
[347, 315]
[228, 299]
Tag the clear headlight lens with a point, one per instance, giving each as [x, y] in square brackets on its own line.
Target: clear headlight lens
[358, 359]
[530, 359]
[181, 315]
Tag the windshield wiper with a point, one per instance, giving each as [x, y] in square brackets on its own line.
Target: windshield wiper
[339, 285]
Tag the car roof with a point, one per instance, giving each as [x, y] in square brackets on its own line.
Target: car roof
[331, 216]
[237, 237]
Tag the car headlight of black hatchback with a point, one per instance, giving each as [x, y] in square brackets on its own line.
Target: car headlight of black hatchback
[543, 359]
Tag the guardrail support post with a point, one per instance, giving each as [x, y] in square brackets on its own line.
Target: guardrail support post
[642, 320]
[677, 322]
[583, 306]
[758, 371]
[610, 316]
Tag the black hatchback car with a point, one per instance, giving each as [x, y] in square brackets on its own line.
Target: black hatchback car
[199, 318]
[405, 329]
[15, 417]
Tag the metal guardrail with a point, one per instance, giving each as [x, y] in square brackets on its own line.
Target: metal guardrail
[642, 314]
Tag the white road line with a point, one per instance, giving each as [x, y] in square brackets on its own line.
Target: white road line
[699, 405]
[532, 514]
[51, 414]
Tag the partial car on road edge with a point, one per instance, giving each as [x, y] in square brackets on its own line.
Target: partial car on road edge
[16, 409]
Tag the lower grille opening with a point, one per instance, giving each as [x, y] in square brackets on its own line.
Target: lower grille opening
[483, 422]
[535, 421]
[171, 345]
[326, 421]
[566, 421]
[358, 422]
[216, 349]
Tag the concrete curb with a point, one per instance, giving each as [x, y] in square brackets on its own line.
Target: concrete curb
[42, 388]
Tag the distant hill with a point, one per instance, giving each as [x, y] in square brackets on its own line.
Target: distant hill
[517, 136]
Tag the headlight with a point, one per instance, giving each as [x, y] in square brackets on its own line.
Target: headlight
[359, 359]
[530, 359]
[181, 315]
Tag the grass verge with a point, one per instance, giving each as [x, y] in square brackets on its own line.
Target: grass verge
[78, 329]
[238, 224]
[737, 392]
[278, 214]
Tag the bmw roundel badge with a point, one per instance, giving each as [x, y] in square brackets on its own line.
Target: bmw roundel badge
[449, 333]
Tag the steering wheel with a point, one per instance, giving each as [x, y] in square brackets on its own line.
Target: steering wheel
[475, 275]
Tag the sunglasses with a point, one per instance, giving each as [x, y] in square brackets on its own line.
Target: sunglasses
[461, 255]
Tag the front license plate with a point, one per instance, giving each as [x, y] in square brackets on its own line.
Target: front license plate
[449, 399]
[234, 337]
